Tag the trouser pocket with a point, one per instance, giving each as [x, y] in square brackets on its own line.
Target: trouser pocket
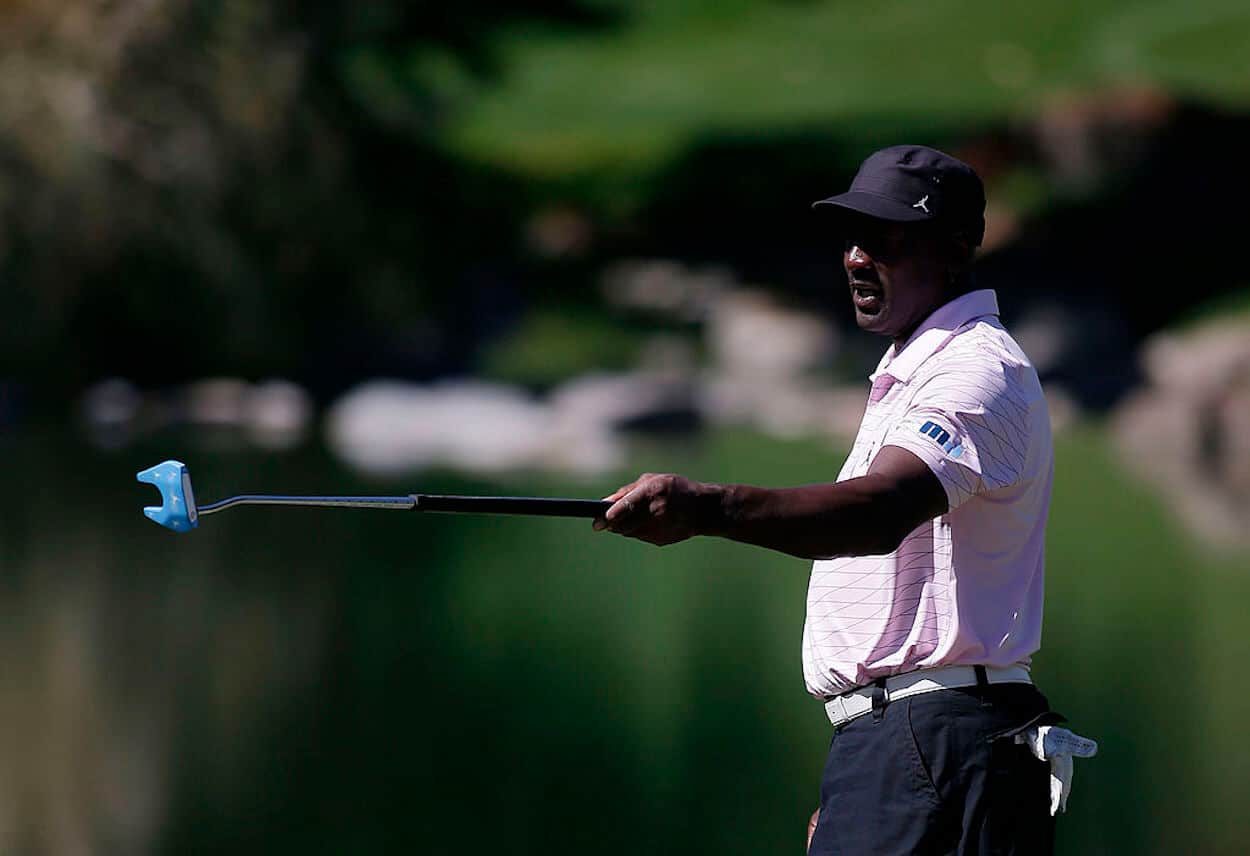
[1046, 717]
[1017, 797]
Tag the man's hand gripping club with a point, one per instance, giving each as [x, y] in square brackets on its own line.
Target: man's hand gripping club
[664, 509]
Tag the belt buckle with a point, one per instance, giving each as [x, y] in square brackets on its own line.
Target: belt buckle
[837, 705]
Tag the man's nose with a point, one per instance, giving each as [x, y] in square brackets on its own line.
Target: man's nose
[856, 258]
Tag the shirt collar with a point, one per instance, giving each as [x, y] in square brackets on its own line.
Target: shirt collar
[935, 332]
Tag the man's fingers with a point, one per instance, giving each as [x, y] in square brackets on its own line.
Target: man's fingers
[635, 500]
[639, 527]
[619, 511]
[604, 522]
[641, 510]
[620, 491]
[626, 488]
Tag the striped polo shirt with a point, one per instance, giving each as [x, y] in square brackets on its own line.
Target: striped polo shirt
[966, 587]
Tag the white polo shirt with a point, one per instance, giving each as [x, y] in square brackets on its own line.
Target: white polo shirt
[965, 588]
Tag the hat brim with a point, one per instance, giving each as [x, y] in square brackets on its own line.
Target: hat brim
[873, 205]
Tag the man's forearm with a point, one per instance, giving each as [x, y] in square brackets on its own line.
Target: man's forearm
[862, 516]
[851, 518]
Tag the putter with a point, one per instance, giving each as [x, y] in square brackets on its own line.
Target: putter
[178, 510]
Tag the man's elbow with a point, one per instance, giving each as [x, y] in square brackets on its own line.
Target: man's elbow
[897, 509]
[877, 540]
[890, 526]
[893, 538]
[881, 542]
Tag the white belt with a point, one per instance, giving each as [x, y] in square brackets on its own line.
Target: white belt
[853, 703]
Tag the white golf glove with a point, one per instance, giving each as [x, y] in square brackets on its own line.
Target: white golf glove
[1058, 746]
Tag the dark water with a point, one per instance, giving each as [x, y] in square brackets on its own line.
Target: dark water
[321, 681]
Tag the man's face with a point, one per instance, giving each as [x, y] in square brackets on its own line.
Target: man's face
[895, 272]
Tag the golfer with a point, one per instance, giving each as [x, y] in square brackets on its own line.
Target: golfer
[925, 600]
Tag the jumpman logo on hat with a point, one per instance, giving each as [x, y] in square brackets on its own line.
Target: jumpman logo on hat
[921, 204]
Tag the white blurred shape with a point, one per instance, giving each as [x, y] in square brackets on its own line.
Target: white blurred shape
[667, 288]
[785, 408]
[1064, 410]
[111, 403]
[750, 334]
[220, 401]
[1186, 431]
[1198, 363]
[604, 401]
[277, 413]
[386, 427]
[1045, 335]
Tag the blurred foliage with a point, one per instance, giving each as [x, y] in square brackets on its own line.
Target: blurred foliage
[192, 187]
[1234, 304]
[553, 344]
[340, 191]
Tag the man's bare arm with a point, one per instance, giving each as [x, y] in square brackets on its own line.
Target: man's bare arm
[868, 515]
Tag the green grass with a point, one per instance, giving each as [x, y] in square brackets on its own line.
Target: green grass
[630, 97]
[617, 695]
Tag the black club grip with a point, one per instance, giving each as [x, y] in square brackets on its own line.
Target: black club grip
[527, 505]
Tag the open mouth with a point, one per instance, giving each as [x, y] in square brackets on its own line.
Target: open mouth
[866, 297]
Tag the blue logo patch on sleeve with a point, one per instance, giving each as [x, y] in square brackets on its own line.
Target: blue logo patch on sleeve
[943, 438]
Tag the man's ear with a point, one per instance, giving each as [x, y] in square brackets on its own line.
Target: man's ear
[959, 255]
[961, 249]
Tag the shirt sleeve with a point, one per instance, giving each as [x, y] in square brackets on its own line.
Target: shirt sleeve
[971, 428]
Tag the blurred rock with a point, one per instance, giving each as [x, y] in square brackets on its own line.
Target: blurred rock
[558, 232]
[668, 354]
[386, 427]
[1188, 432]
[1045, 334]
[764, 363]
[226, 412]
[277, 414]
[794, 408]
[1233, 415]
[389, 428]
[220, 402]
[655, 401]
[1084, 137]
[109, 410]
[750, 335]
[666, 288]
[1084, 349]
[1201, 363]
[1064, 410]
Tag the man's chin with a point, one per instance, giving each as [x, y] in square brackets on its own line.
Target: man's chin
[874, 323]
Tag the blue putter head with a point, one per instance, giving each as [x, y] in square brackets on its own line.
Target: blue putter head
[177, 511]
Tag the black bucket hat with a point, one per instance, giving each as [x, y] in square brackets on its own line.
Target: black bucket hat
[913, 184]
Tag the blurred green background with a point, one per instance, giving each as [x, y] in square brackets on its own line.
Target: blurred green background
[537, 195]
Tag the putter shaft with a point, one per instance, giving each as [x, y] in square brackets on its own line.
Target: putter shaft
[527, 505]
[401, 503]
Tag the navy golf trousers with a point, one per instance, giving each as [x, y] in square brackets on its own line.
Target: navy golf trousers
[939, 773]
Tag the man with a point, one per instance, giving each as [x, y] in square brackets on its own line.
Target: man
[925, 600]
